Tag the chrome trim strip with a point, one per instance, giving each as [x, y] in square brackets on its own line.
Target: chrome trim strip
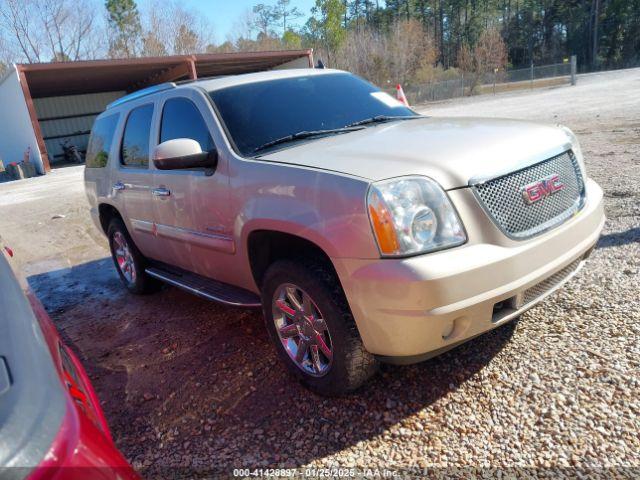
[213, 241]
[141, 225]
[553, 152]
[195, 291]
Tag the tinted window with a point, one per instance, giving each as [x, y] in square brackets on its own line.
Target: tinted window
[257, 113]
[135, 142]
[182, 119]
[100, 141]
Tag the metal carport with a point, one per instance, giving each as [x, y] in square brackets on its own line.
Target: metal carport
[46, 102]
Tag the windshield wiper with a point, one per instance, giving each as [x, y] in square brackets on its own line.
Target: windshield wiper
[306, 134]
[382, 119]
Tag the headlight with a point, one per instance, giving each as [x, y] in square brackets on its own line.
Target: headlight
[412, 215]
[575, 148]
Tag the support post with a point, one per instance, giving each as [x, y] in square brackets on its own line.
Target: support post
[310, 57]
[531, 75]
[191, 66]
[495, 75]
[574, 69]
[35, 124]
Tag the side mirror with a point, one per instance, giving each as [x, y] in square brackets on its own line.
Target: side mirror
[183, 153]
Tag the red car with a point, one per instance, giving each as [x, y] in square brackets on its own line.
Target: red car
[51, 424]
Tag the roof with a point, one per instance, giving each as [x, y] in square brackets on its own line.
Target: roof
[230, 81]
[92, 76]
[224, 82]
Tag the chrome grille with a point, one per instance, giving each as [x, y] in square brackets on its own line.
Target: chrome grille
[502, 197]
[547, 284]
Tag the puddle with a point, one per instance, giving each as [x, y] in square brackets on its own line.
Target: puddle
[61, 286]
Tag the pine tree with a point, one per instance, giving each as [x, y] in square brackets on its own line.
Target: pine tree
[125, 28]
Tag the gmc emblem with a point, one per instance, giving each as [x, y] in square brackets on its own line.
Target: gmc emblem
[536, 191]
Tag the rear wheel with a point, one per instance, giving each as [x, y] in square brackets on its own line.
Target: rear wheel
[308, 319]
[129, 262]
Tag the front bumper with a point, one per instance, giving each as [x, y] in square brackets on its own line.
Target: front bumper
[407, 309]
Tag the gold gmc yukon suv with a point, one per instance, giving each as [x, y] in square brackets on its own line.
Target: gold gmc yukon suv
[366, 232]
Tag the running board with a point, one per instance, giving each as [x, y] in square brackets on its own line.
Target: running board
[206, 287]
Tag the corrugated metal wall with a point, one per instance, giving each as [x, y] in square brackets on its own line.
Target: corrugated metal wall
[70, 118]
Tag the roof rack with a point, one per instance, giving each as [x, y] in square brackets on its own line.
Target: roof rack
[142, 93]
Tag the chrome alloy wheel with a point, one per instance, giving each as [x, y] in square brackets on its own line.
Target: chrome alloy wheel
[302, 330]
[124, 258]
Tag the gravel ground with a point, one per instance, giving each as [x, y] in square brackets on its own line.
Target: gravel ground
[191, 386]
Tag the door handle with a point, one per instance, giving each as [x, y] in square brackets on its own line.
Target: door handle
[118, 186]
[161, 192]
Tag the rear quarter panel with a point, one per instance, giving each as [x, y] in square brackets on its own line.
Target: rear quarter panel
[98, 181]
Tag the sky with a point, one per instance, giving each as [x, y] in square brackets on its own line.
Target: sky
[224, 13]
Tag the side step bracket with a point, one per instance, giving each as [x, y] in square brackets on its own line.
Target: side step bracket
[206, 287]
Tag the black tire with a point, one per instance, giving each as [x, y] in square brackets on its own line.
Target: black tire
[138, 282]
[351, 365]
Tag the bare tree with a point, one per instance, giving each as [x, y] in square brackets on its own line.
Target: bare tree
[258, 20]
[169, 28]
[4, 57]
[243, 27]
[489, 55]
[409, 48]
[186, 40]
[490, 52]
[396, 56]
[189, 31]
[20, 25]
[465, 59]
[363, 53]
[153, 43]
[43, 30]
[264, 17]
[242, 31]
[67, 25]
[284, 14]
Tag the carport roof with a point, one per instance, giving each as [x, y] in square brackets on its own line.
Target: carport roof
[92, 76]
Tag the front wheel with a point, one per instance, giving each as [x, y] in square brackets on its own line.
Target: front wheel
[310, 322]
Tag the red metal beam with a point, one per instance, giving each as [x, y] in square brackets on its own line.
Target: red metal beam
[169, 60]
[35, 124]
[185, 69]
[175, 72]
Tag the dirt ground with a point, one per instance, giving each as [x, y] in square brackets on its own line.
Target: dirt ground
[189, 386]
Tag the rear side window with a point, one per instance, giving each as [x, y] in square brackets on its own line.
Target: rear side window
[135, 141]
[100, 141]
[182, 119]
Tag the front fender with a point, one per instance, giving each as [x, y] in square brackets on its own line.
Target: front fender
[326, 208]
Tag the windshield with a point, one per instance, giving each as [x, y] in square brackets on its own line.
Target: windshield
[258, 113]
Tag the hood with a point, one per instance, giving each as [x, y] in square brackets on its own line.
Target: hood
[451, 151]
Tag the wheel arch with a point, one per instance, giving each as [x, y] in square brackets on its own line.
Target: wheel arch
[266, 246]
[106, 213]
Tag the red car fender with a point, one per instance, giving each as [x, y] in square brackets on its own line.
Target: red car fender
[83, 448]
